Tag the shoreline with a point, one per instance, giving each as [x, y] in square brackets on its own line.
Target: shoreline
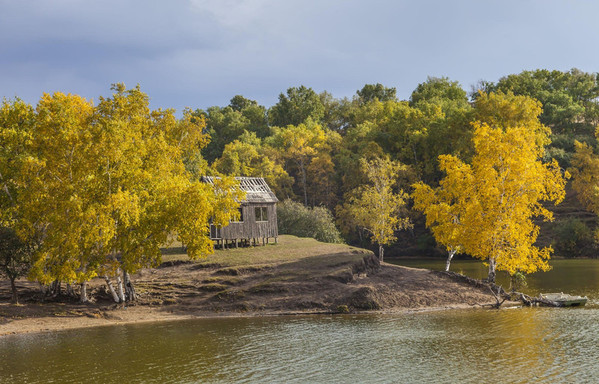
[144, 315]
[298, 276]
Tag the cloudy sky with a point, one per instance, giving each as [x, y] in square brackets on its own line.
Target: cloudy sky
[199, 53]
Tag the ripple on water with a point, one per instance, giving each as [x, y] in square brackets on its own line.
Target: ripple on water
[539, 345]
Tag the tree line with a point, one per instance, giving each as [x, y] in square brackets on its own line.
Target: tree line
[96, 190]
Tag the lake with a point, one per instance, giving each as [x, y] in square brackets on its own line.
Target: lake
[527, 345]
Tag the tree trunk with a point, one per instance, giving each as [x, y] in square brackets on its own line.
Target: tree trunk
[492, 266]
[83, 293]
[55, 288]
[115, 297]
[305, 188]
[129, 289]
[381, 251]
[70, 291]
[119, 287]
[449, 257]
[13, 287]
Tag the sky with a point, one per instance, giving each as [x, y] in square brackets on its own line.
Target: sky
[200, 53]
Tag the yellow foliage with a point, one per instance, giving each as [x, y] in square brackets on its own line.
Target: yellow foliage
[487, 208]
[376, 207]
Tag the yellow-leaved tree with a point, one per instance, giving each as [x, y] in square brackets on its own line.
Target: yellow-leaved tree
[108, 187]
[585, 176]
[497, 196]
[377, 207]
[444, 207]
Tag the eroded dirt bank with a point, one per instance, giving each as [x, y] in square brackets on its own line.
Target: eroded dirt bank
[343, 280]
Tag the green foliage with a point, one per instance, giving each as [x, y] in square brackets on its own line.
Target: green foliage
[568, 98]
[573, 238]
[298, 220]
[372, 92]
[517, 281]
[299, 104]
[441, 91]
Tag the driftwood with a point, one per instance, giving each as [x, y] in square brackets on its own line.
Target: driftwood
[498, 292]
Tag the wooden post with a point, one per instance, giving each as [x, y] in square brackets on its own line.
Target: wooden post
[236, 244]
[276, 240]
[263, 241]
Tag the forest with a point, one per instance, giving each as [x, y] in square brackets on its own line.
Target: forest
[95, 190]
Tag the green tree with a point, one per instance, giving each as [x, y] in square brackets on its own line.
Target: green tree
[294, 108]
[371, 92]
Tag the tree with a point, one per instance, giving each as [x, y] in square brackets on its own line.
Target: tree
[440, 91]
[15, 258]
[443, 208]
[298, 146]
[247, 156]
[376, 207]
[371, 92]
[569, 98]
[108, 186]
[497, 196]
[299, 104]
[585, 176]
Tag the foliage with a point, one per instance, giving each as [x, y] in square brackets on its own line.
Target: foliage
[298, 220]
[247, 156]
[294, 108]
[372, 92]
[15, 258]
[572, 238]
[105, 186]
[306, 152]
[568, 98]
[376, 207]
[497, 196]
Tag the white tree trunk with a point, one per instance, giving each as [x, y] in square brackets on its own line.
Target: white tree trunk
[449, 257]
[381, 252]
[83, 293]
[119, 287]
[115, 297]
[492, 266]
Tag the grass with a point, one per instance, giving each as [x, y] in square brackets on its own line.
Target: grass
[289, 249]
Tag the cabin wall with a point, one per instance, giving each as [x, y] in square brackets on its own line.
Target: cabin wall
[250, 228]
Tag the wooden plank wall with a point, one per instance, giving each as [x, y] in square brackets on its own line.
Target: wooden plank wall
[250, 228]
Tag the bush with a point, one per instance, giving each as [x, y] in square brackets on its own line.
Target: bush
[298, 220]
[572, 238]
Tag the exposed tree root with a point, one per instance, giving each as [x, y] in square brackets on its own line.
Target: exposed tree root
[498, 292]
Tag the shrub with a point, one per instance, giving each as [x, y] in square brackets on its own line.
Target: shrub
[572, 238]
[296, 219]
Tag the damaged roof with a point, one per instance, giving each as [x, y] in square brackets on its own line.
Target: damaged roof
[256, 189]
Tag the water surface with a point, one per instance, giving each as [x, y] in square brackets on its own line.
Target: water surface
[528, 345]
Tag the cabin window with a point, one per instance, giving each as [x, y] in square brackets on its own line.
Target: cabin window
[261, 214]
[240, 217]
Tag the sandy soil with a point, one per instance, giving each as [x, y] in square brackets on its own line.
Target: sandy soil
[328, 283]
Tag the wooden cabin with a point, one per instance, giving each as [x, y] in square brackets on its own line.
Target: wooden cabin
[258, 215]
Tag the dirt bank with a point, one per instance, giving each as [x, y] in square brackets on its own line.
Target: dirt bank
[295, 276]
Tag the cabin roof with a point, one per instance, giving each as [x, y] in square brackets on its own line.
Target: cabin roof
[256, 189]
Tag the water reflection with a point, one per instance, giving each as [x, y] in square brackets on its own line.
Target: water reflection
[528, 345]
[578, 277]
[544, 345]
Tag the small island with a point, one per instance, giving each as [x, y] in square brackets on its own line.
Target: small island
[295, 276]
